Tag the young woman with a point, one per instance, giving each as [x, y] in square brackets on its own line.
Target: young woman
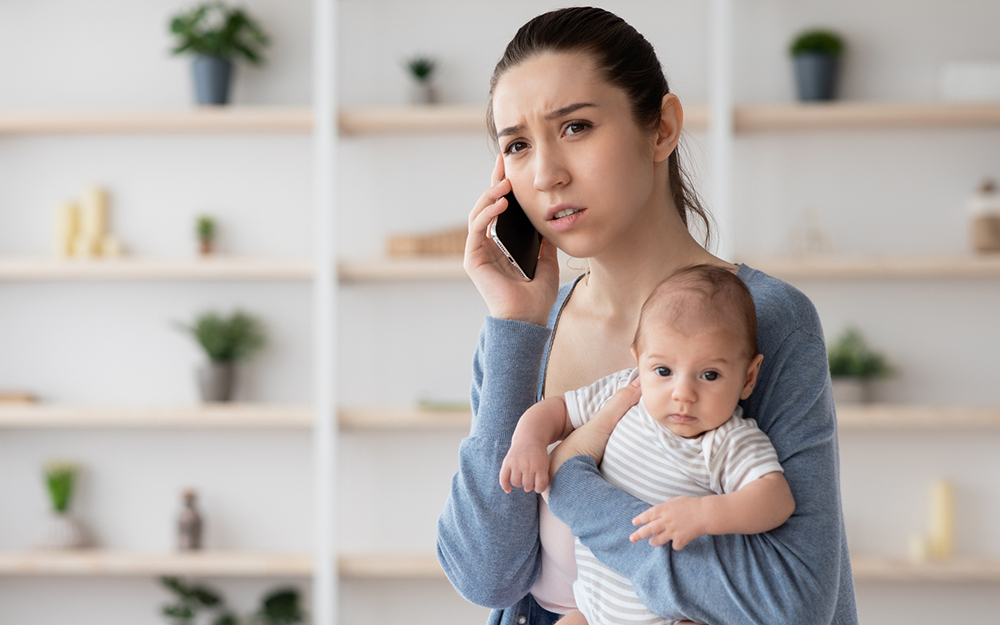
[587, 132]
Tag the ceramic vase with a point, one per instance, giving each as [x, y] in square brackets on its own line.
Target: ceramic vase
[848, 390]
[216, 381]
[422, 93]
[816, 76]
[212, 76]
[62, 531]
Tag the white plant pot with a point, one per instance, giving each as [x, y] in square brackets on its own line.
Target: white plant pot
[62, 531]
[423, 93]
[851, 391]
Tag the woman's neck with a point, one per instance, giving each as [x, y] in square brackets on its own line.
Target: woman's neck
[621, 279]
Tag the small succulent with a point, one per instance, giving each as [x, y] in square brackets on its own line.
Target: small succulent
[205, 228]
[817, 42]
[421, 67]
[850, 356]
[59, 478]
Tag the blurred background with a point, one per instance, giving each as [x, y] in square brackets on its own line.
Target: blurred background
[152, 248]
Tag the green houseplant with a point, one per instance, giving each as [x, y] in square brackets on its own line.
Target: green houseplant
[205, 231]
[217, 35]
[421, 69]
[854, 366]
[279, 607]
[226, 341]
[816, 54]
[62, 530]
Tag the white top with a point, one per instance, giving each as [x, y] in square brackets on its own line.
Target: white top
[647, 460]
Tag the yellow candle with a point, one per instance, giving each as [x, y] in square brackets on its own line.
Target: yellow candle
[112, 246]
[942, 535]
[95, 212]
[67, 228]
[919, 549]
[85, 246]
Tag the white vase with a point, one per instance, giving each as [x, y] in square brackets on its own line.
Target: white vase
[62, 531]
[847, 390]
[423, 92]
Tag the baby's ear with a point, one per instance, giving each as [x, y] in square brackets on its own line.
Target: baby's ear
[635, 355]
[751, 380]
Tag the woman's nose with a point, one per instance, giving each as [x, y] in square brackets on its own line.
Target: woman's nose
[550, 168]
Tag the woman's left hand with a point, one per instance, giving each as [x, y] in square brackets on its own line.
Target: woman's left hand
[591, 438]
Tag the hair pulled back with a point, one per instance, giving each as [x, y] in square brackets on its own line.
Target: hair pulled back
[627, 60]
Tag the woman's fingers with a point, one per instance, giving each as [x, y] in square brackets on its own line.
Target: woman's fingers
[498, 171]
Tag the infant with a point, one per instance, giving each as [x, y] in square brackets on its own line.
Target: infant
[684, 448]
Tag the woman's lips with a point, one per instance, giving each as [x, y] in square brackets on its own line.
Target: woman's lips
[562, 217]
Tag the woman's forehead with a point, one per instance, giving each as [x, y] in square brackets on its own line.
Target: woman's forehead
[546, 83]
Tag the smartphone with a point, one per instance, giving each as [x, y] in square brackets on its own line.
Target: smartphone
[517, 238]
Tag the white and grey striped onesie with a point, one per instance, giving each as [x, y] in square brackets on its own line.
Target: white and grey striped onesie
[652, 463]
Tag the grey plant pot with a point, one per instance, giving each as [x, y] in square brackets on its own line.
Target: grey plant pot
[849, 391]
[216, 381]
[816, 76]
[212, 76]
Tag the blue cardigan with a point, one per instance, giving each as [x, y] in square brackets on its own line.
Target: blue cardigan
[799, 573]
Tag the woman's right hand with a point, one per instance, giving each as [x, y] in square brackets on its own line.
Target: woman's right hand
[507, 294]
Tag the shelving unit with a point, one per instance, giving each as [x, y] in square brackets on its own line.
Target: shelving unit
[208, 417]
[127, 268]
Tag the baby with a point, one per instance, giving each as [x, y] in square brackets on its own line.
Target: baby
[684, 448]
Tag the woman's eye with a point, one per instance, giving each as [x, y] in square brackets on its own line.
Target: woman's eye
[663, 371]
[575, 128]
[514, 147]
[710, 375]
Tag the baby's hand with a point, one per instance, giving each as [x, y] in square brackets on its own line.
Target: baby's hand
[526, 466]
[678, 519]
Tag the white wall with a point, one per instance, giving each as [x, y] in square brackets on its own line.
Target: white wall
[881, 191]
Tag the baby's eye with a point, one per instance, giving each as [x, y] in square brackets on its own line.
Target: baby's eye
[515, 146]
[663, 371]
[575, 128]
[710, 375]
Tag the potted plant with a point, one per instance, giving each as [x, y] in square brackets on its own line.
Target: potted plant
[816, 55]
[280, 607]
[226, 341]
[421, 68]
[217, 35]
[854, 367]
[62, 530]
[205, 230]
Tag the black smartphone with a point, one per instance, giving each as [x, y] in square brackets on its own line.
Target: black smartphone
[517, 238]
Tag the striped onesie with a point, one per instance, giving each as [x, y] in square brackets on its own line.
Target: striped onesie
[647, 460]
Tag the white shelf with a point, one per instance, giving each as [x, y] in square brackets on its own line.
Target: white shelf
[871, 569]
[846, 115]
[111, 563]
[93, 562]
[877, 267]
[209, 119]
[917, 417]
[391, 418]
[207, 416]
[158, 269]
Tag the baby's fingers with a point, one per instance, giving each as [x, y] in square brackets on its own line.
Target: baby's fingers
[505, 478]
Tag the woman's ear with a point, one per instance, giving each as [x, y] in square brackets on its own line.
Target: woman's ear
[668, 133]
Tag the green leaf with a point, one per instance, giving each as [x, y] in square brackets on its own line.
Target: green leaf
[227, 339]
[281, 607]
[817, 41]
[60, 478]
[216, 30]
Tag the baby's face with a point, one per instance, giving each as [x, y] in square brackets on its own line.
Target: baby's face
[691, 382]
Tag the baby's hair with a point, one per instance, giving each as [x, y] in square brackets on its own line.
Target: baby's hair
[702, 293]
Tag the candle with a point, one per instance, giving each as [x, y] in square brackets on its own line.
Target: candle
[95, 212]
[67, 228]
[942, 535]
[919, 548]
[112, 247]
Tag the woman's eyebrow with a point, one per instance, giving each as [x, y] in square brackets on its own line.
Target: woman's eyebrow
[566, 110]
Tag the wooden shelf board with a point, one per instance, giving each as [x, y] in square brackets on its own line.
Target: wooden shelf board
[209, 119]
[402, 268]
[433, 118]
[871, 569]
[389, 566]
[392, 418]
[917, 417]
[159, 269]
[877, 267]
[846, 115]
[94, 562]
[206, 416]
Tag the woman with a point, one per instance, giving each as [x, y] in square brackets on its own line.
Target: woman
[587, 132]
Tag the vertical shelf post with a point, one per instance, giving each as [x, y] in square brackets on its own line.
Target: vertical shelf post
[325, 604]
[720, 122]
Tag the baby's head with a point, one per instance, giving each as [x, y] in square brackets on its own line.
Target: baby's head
[696, 348]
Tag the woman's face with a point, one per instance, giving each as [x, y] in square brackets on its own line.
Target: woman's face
[579, 165]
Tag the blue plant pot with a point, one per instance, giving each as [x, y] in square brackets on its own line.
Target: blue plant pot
[212, 76]
[816, 76]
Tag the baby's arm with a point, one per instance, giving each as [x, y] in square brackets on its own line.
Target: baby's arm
[527, 463]
[759, 506]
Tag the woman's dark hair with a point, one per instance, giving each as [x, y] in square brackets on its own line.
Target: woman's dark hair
[628, 62]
